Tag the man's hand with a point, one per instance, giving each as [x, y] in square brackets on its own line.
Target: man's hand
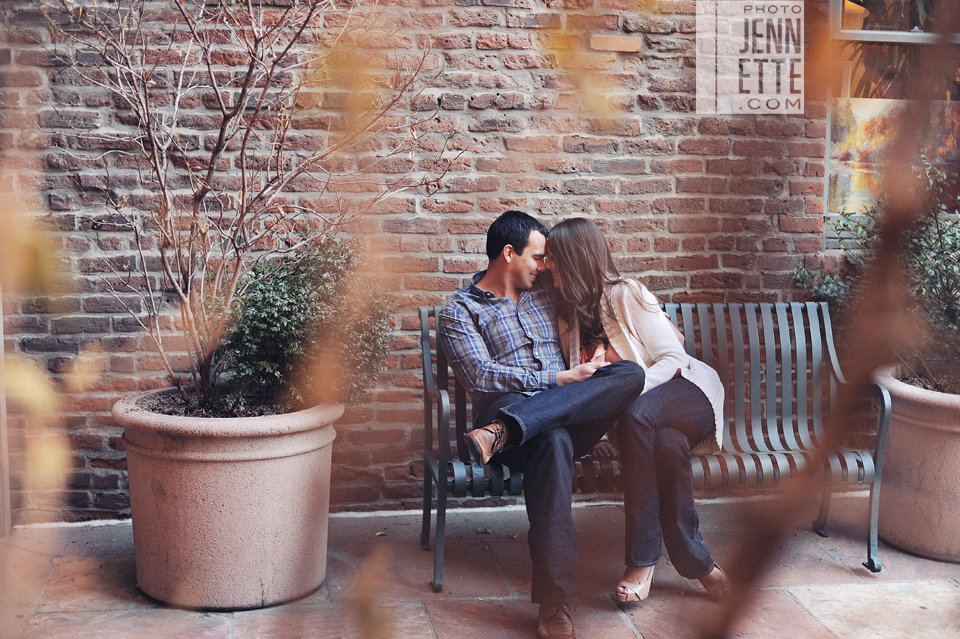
[579, 373]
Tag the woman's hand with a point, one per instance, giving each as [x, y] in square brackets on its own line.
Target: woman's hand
[604, 448]
[593, 353]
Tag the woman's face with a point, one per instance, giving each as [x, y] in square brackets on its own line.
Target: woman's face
[551, 265]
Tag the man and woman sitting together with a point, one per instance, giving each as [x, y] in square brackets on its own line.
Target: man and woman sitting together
[551, 364]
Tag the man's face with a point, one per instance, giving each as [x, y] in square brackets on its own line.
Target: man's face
[525, 267]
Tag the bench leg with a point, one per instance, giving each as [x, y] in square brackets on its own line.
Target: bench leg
[883, 427]
[437, 583]
[427, 496]
[873, 560]
[820, 525]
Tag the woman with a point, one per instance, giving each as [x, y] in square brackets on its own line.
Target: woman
[603, 316]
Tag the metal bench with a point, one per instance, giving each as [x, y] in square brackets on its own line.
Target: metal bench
[779, 367]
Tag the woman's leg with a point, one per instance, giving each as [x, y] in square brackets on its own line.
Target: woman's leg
[665, 422]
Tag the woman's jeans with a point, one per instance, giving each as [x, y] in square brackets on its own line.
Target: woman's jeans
[557, 426]
[656, 434]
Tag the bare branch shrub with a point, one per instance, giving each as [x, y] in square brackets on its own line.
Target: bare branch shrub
[239, 130]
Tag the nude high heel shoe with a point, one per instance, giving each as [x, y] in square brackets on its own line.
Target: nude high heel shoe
[635, 592]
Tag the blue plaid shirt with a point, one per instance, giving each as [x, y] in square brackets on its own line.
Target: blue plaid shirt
[496, 346]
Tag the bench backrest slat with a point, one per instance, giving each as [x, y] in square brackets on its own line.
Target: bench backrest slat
[787, 440]
[800, 336]
[706, 333]
[756, 401]
[770, 382]
[817, 369]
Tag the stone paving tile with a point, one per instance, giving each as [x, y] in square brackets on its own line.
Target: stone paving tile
[469, 571]
[770, 614]
[334, 621]
[114, 539]
[130, 624]
[22, 577]
[849, 545]
[799, 560]
[886, 610]
[91, 583]
[600, 564]
[512, 618]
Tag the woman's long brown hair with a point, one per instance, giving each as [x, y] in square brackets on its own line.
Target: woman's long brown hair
[580, 256]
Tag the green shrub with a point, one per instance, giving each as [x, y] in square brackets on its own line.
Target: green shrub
[306, 329]
[930, 256]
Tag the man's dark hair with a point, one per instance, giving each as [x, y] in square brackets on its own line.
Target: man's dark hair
[513, 228]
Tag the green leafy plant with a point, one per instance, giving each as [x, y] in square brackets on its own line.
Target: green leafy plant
[307, 329]
[930, 257]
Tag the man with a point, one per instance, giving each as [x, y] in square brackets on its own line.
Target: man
[533, 413]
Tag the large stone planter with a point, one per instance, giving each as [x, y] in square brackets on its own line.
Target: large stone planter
[229, 513]
[920, 494]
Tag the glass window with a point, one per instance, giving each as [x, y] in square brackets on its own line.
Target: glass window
[888, 15]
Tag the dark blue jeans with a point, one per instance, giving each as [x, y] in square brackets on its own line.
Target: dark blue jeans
[558, 425]
[655, 435]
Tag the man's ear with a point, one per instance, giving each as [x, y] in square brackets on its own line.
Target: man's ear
[508, 253]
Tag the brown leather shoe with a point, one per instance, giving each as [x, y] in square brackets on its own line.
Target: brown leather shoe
[555, 622]
[484, 443]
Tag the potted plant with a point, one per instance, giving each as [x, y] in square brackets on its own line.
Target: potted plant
[921, 475]
[232, 266]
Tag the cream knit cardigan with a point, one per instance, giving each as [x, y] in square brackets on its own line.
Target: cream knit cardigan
[639, 331]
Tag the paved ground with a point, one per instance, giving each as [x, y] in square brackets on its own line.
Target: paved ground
[80, 583]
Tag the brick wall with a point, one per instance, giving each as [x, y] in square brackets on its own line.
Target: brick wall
[711, 208]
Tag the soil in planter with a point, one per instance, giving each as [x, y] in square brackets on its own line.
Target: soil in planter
[171, 403]
[942, 382]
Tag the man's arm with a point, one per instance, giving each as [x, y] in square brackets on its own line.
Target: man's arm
[475, 367]
[473, 362]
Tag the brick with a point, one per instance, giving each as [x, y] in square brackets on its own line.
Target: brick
[586, 186]
[526, 20]
[806, 149]
[677, 167]
[646, 186]
[679, 206]
[581, 144]
[578, 22]
[757, 186]
[491, 41]
[693, 224]
[562, 165]
[704, 146]
[806, 187]
[692, 263]
[414, 225]
[519, 62]
[566, 206]
[622, 44]
[732, 167]
[532, 185]
[532, 144]
[589, 61]
[626, 166]
[460, 265]
[474, 18]
[471, 185]
[701, 185]
[446, 206]
[457, 40]
[801, 224]
[502, 123]
[458, 226]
